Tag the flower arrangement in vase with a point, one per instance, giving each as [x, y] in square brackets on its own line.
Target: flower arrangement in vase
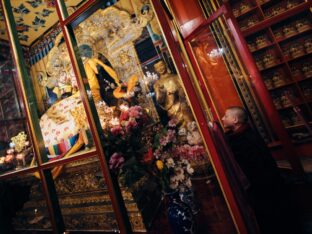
[124, 143]
[174, 171]
[19, 154]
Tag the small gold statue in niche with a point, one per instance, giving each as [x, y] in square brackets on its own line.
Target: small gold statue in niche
[170, 95]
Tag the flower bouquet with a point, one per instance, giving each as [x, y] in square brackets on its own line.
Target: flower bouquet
[173, 167]
[173, 155]
[124, 144]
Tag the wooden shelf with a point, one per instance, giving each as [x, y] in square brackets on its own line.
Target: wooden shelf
[303, 141]
[304, 79]
[250, 10]
[299, 57]
[297, 125]
[271, 27]
[263, 47]
[273, 66]
[282, 86]
[293, 36]
[275, 19]
[296, 103]
[264, 2]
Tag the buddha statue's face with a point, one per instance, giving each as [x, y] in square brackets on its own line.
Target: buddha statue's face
[160, 67]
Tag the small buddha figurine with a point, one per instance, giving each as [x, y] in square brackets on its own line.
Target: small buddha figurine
[307, 70]
[308, 45]
[170, 95]
[277, 79]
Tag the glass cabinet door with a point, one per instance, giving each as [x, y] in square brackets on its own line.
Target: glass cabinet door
[113, 124]
[151, 140]
[16, 151]
[53, 99]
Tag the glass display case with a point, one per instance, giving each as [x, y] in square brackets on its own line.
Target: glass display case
[114, 132]
[16, 144]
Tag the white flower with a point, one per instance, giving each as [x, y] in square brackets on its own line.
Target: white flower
[179, 174]
[194, 138]
[191, 126]
[189, 169]
[182, 132]
[173, 183]
[188, 183]
[184, 162]
[170, 162]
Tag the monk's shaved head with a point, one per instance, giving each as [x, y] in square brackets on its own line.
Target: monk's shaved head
[234, 117]
[240, 113]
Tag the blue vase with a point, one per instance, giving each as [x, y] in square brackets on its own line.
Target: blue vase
[180, 215]
[188, 198]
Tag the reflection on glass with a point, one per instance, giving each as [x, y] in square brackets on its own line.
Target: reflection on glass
[151, 141]
[73, 5]
[25, 206]
[83, 197]
[210, 58]
[62, 117]
[16, 151]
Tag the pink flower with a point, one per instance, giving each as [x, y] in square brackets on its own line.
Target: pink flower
[173, 123]
[132, 124]
[116, 161]
[171, 134]
[135, 111]
[124, 116]
[117, 131]
[148, 157]
[9, 158]
[163, 141]
[157, 153]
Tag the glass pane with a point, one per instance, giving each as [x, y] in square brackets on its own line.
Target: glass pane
[16, 151]
[73, 5]
[23, 205]
[51, 84]
[151, 141]
[224, 75]
[210, 58]
[83, 197]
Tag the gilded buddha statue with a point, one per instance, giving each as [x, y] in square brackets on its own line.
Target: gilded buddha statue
[170, 95]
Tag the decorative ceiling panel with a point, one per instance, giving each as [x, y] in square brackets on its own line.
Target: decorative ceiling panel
[33, 18]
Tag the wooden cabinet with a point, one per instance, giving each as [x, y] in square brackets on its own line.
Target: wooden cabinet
[279, 37]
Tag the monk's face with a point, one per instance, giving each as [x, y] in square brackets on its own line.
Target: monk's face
[229, 120]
